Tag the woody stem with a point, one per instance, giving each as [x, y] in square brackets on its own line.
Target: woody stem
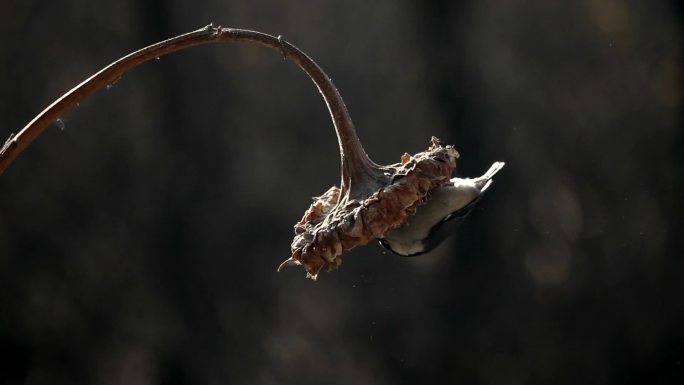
[356, 166]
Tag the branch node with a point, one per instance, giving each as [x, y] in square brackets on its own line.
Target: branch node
[281, 41]
[215, 30]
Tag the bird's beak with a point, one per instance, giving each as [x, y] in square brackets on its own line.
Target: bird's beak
[288, 262]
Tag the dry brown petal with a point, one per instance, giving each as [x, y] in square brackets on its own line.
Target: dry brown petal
[405, 158]
[334, 224]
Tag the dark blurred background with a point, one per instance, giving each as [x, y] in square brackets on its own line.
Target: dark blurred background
[139, 239]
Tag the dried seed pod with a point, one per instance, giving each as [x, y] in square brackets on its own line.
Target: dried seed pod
[340, 220]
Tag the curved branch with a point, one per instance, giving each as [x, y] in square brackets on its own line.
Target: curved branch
[355, 161]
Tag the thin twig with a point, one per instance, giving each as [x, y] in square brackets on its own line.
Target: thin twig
[354, 159]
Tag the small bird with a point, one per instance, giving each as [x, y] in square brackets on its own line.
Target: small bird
[440, 215]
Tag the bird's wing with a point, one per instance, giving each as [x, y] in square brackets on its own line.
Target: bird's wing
[450, 223]
[446, 226]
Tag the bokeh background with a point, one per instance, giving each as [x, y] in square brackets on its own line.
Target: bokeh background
[139, 238]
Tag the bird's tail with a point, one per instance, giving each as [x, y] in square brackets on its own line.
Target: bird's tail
[493, 170]
[485, 180]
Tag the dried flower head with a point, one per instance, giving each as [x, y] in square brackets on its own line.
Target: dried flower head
[339, 220]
